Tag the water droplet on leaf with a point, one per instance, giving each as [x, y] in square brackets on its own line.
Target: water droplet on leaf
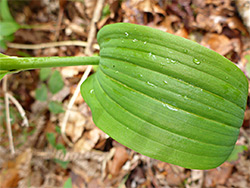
[196, 61]
[152, 85]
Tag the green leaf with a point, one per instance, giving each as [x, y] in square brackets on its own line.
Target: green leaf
[63, 164]
[44, 74]
[8, 28]
[165, 96]
[2, 75]
[55, 82]
[51, 139]
[58, 129]
[5, 11]
[41, 93]
[235, 153]
[2, 44]
[105, 11]
[61, 147]
[55, 107]
[68, 183]
[9, 38]
[247, 57]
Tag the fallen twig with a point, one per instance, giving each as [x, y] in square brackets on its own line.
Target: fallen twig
[19, 108]
[71, 103]
[50, 45]
[88, 51]
[7, 111]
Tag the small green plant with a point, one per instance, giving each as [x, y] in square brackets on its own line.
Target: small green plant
[238, 149]
[54, 85]
[159, 94]
[8, 26]
[52, 140]
[68, 183]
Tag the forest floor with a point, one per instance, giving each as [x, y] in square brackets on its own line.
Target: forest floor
[42, 157]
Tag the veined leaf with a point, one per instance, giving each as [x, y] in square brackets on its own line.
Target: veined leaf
[2, 75]
[5, 11]
[166, 97]
[8, 28]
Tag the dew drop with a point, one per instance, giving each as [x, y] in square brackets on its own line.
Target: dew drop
[185, 51]
[196, 61]
[91, 91]
[165, 82]
[145, 42]
[126, 33]
[150, 54]
[135, 40]
[152, 85]
[171, 108]
[154, 57]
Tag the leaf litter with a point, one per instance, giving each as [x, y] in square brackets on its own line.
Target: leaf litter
[96, 160]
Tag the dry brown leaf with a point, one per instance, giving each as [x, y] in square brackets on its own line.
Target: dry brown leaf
[174, 175]
[88, 140]
[236, 23]
[120, 157]
[75, 125]
[209, 23]
[167, 23]
[68, 72]
[16, 169]
[90, 7]
[219, 175]
[219, 43]
[9, 177]
[146, 6]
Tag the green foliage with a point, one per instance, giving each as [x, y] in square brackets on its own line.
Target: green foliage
[105, 11]
[162, 95]
[55, 82]
[44, 74]
[5, 12]
[8, 26]
[247, 57]
[68, 183]
[2, 75]
[63, 164]
[41, 93]
[55, 107]
[236, 151]
[166, 97]
[52, 140]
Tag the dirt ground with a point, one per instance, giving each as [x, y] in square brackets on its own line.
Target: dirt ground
[92, 159]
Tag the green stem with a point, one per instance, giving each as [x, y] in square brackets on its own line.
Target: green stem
[26, 63]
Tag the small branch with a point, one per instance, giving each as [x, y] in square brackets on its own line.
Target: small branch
[92, 31]
[7, 111]
[20, 109]
[50, 45]
[88, 51]
[71, 103]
